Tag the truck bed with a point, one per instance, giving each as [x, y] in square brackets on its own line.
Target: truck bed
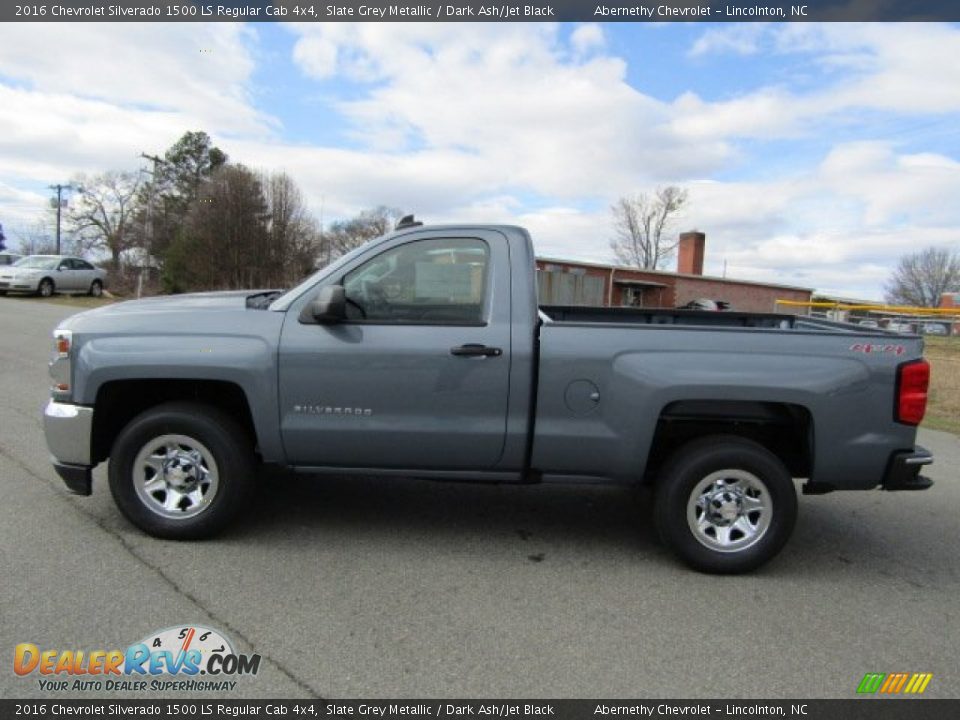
[674, 316]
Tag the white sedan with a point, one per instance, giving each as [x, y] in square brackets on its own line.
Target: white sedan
[47, 274]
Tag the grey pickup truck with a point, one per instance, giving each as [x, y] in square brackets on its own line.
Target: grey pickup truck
[425, 354]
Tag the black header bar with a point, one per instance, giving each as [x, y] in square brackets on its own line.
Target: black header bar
[474, 11]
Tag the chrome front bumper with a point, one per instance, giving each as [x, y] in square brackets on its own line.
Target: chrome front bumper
[68, 429]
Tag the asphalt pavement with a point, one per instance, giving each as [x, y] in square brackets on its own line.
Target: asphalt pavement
[363, 588]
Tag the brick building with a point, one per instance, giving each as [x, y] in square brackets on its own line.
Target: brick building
[570, 282]
[950, 301]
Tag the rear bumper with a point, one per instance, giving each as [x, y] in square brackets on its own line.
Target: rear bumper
[68, 429]
[903, 470]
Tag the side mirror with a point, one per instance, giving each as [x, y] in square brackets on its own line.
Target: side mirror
[329, 307]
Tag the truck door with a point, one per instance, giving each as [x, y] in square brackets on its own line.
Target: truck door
[417, 376]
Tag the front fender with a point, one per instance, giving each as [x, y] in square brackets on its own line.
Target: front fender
[247, 361]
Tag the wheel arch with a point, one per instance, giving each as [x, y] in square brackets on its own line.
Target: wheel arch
[785, 429]
[120, 401]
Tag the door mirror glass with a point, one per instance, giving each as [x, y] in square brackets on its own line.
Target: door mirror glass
[329, 307]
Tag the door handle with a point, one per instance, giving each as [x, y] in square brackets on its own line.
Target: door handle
[476, 350]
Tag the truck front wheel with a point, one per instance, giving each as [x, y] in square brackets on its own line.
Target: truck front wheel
[181, 471]
[725, 504]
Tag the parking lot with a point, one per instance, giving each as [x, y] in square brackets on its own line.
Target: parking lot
[360, 587]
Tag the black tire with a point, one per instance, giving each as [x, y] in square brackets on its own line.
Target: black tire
[46, 288]
[751, 490]
[96, 289]
[220, 445]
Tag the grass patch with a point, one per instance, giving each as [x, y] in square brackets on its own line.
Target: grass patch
[943, 408]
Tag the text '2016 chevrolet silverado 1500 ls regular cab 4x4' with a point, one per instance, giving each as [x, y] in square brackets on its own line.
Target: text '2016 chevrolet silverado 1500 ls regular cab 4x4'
[424, 354]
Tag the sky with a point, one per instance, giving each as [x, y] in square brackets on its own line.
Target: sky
[814, 154]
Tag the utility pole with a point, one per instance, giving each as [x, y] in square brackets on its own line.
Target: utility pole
[148, 220]
[323, 244]
[157, 162]
[59, 188]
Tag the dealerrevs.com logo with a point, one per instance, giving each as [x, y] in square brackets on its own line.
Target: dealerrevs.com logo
[181, 658]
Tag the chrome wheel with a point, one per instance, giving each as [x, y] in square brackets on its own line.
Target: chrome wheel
[96, 289]
[729, 510]
[46, 288]
[175, 476]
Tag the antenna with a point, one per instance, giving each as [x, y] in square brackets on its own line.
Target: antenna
[407, 221]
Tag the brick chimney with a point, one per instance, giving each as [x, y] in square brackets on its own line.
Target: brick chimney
[690, 253]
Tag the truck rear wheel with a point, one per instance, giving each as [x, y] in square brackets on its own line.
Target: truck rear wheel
[181, 471]
[725, 504]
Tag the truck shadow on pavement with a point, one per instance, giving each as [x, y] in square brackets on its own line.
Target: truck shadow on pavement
[615, 518]
[836, 535]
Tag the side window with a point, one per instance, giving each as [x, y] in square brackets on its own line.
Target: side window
[440, 281]
[82, 265]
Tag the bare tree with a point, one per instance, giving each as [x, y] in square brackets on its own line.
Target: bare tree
[345, 235]
[922, 277]
[101, 216]
[292, 234]
[640, 223]
[36, 238]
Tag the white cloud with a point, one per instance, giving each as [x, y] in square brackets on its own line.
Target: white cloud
[514, 96]
[739, 38]
[197, 69]
[20, 207]
[587, 37]
[922, 187]
[907, 68]
[841, 226]
[47, 136]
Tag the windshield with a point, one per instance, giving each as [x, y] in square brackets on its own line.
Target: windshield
[39, 262]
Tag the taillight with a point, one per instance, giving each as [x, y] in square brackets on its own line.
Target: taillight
[913, 378]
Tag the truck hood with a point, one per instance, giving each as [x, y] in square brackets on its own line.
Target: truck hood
[168, 306]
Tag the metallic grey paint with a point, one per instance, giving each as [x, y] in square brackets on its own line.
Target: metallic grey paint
[506, 416]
